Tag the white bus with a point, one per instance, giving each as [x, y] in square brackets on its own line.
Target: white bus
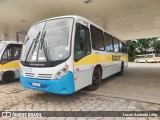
[9, 60]
[64, 54]
[145, 58]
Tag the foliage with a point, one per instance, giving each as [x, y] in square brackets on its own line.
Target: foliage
[134, 46]
[143, 45]
[131, 46]
[156, 45]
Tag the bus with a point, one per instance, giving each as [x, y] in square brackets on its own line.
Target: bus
[145, 58]
[9, 60]
[65, 54]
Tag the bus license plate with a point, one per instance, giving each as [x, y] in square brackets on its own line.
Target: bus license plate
[36, 84]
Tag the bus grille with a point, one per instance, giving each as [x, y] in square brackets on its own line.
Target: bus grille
[30, 75]
[45, 76]
[39, 76]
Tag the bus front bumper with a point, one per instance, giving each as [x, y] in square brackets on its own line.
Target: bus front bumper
[64, 85]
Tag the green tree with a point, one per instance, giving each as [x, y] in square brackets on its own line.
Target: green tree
[131, 46]
[143, 44]
[156, 46]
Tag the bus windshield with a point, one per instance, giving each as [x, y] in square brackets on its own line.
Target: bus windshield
[2, 45]
[139, 56]
[48, 41]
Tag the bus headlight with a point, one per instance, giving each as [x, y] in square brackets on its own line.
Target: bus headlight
[65, 70]
[61, 73]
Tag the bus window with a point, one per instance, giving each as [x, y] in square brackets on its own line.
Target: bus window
[82, 42]
[149, 56]
[97, 38]
[157, 55]
[121, 47]
[7, 55]
[116, 44]
[108, 42]
[17, 52]
[12, 52]
[139, 56]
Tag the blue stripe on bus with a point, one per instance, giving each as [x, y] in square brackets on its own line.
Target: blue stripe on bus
[64, 85]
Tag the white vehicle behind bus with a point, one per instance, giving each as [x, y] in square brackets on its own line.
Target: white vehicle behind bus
[9, 60]
[145, 58]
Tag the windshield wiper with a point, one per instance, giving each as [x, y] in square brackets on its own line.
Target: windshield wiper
[35, 41]
[43, 45]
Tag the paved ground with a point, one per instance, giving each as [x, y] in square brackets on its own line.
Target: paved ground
[14, 97]
[140, 81]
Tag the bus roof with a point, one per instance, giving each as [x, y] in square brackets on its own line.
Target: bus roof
[139, 55]
[145, 54]
[76, 18]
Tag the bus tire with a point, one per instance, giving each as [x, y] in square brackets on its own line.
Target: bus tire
[7, 77]
[146, 61]
[96, 79]
[122, 69]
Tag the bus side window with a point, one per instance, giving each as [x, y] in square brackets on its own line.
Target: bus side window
[157, 55]
[82, 46]
[121, 46]
[17, 52]
[116, 44]
[7, 55]
[12, 52]
[97, 38]
[108, 42]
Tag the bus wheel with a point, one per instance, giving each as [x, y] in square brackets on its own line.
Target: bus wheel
[122, 69]
[7, 76]
[146, 61]
[96, 79]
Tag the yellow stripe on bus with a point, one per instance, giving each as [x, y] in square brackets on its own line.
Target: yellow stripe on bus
[124, 58]
[10, 65]
[97, 58]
